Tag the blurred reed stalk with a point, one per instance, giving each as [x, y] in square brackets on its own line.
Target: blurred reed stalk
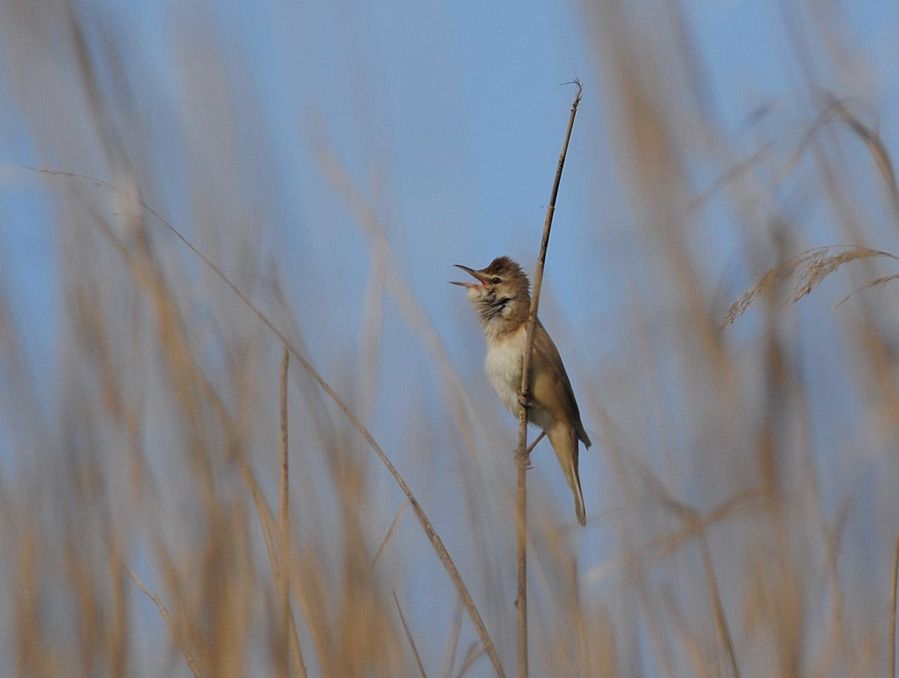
[748, 515]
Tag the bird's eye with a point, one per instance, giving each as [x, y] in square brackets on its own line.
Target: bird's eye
[496, 281]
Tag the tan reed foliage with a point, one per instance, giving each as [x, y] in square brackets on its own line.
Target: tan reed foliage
[190, 488]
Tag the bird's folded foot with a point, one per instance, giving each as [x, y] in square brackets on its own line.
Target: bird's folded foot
[534, 444]
[524, 401]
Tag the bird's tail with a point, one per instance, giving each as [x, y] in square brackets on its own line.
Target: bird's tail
[565, 443]
[579, 507]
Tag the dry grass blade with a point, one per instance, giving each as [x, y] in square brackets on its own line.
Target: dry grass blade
[388, 536]
[474, 653]
[425, 522]
[421, 668]
[266, 521]
[288, 620]
[521, 600]
[453, 643]
[460, 405]
[735, 172]
[874, 143]
[717, 605]
[284, 496]
[142, 402]
[695, 525]
[808, 268]
[167, 618]
[821, 262]
[688, 640]
[771, 278]
[835, 108]
[877, 282]
[891, 636]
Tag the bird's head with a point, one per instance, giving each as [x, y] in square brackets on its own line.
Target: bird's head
[501, 294]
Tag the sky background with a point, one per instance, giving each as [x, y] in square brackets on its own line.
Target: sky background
[360, 149]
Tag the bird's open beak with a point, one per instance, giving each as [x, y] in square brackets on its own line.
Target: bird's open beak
[473, 273]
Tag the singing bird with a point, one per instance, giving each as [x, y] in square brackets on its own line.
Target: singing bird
[502, 298]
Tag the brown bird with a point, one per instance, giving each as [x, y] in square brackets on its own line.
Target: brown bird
[502, 298]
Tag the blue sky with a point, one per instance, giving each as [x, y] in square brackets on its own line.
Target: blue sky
[460, 106]
[448, 119]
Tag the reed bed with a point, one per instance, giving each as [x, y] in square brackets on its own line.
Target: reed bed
[256, 444]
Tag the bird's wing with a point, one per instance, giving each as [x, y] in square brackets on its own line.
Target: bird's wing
[546, 349]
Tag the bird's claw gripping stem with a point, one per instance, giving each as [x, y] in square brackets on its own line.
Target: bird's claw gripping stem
[524, 401]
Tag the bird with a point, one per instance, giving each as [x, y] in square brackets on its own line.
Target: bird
[502, 298]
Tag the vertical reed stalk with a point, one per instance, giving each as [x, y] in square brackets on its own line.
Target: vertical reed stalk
[521, 600]
[289, 623]
[892, 633]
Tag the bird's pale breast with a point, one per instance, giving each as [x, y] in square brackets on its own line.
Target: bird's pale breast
[503, 367]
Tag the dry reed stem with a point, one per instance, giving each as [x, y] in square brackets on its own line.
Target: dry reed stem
[874, 143]
[283, 514]
[521, 600]
[828, 654]
[413, 311]
[877, 282]
[816, 264]
[188, 379]
[388, 536]
[428, 528]
[118, 626]
[891, 635]
[717, 605]
[687, 638]
[832, 538]
[474, 653]
[418, 318]
[167, 618]
[421, 667]
[453, 643]
[288, 621]
[695, 525]
[311, 603]
[632, 566]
